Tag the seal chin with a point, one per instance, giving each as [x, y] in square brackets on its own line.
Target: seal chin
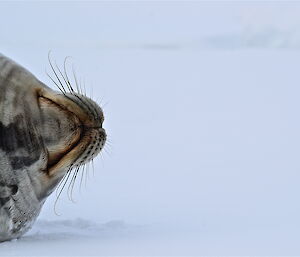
[72, 129]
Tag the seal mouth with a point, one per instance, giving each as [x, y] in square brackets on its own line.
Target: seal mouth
[57, 151]
[79, 134]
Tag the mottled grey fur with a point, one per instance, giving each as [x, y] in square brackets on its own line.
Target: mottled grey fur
[22, 154]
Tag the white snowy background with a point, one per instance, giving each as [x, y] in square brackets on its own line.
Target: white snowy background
[202, 105]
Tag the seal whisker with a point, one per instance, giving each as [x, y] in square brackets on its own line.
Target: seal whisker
[82, 174]
[57, 77]
[106, 151]
[75, 78]
[68, 81]
[60, 89]
[108, 143]
[61, 190]
[101, 156]
[72, 91]
[62, 75]
[74, 181]
[61, 182]
[91, 91]
[93, 167]
[84, 92]
[71, 184]
[80, 86]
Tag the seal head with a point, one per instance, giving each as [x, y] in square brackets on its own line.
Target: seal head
[44, 134]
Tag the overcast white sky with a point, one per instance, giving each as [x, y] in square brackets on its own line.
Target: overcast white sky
[53, 24]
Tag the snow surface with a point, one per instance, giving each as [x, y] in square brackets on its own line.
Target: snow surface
[202, 104]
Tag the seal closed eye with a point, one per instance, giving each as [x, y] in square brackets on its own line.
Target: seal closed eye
[44, 134]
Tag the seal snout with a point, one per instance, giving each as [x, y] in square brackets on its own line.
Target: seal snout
[72, 130]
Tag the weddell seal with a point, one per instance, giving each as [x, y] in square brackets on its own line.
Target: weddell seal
[44, 136]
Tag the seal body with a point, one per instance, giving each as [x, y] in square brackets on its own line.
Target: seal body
[43, 135]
